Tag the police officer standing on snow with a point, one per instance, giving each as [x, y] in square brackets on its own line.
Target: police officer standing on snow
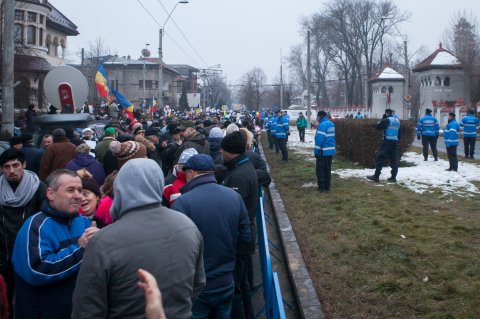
[428, 129]
[450, 137]
[324, 150]
[389, 148]
[470, 125]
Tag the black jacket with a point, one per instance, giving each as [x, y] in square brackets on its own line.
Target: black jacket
[12, 218]
[242, 177]
[33, 157]
[196, 141]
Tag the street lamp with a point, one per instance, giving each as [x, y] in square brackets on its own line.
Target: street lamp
[145, 54]
[160, 56]
[406, 89]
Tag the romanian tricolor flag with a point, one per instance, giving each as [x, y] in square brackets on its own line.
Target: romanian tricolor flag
[101, 82]
[124, 104]
[154, 105]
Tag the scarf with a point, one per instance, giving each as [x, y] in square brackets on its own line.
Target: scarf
[24, 192]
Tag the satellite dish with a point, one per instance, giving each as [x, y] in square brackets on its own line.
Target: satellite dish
[146, 53]
[65, 85]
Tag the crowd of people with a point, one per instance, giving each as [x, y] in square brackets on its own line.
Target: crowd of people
[170, 202]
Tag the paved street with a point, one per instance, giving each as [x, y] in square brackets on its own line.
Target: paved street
[441, 147]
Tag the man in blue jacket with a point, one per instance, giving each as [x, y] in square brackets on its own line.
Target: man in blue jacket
[223, 222]
[282, 132]
[470, 125]
[49, 249]
[428, 129]
[389, 148]
[450, 136]
[324, 150]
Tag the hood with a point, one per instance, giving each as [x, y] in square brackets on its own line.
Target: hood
[84, 159]
[139, 183]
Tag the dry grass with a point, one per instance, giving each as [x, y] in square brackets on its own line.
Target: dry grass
[351, 239]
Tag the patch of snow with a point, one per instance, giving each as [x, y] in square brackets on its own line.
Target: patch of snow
[421, 177]
[445, 58]
[309, 185]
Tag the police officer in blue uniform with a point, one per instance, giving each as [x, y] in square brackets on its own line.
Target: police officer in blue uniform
[428, 129]
[450, 137]
[282, 132]
[389, 148]
[470, 125]
[324, 151]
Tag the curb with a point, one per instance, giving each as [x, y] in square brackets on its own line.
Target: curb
[307, 299]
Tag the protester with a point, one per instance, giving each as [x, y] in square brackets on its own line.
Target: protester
[470, 125]
[324, 151]
[428, 130]
[192, 139]
[90, 199]
[102, 213]
[216, 224]
[214, 139]
[21, 195]
[450, 137]
[172, 190]
[33, 155]
[83, 159]
[49, 249]
[389, 148]
[88, 135]
[16, 142]
[30, 116]
[57, 155]
[47, 140]
[103, 146]
[127, 151]
[301, 126]
[164, 242]
[169, 147]
[242, 177]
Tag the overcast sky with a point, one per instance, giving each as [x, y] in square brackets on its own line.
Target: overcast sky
[238, 34]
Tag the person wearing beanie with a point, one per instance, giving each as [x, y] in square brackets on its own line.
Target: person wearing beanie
[215, 139]
[57, 155]
[127, 151]
[231, 128]
[16, 142]
[242, 177]
[33, 155]
[110, 162]
[90, 199]
[450, 136]
[428, 130]
[177, 179]
[389, 148]
[103, 146]
[83, 159]
[160, 239]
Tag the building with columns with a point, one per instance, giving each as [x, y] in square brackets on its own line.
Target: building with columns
[442, 85]
[40, 35]
[387, 92]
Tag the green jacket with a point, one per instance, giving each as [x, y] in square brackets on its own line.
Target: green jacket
[301, 122]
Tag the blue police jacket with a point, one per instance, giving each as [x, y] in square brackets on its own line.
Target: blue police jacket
[470, 125]
[450, 134]
[391, 133]
[325, 138]
[428, 126]
[273, 125]
[46, 249]
[282, 127]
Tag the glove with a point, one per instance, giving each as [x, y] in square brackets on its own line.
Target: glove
[418, 137]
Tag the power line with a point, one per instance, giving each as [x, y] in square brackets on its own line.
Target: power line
[181, 32]
[158, 23]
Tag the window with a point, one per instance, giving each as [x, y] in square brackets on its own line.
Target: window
[41, 18]
[32, 17]
[446, 82]
[40, 36]
[384, 89]
[437, 82]
[18, 33]
[31, 34]
[149, 84]
[390, 89]
[19, 15]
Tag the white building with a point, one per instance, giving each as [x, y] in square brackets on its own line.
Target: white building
[387, 87]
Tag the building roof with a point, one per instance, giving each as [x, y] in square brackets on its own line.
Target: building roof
[387, 74]
[126, 61]
[57, 20]
[27, 63]
[184, 69]
[440, 59]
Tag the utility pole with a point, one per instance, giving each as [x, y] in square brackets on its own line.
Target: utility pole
[281, 81]
[7, 68]
[309, 80]
[160, 71]
[407, 77]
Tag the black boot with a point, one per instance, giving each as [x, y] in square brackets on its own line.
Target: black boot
[373, 178]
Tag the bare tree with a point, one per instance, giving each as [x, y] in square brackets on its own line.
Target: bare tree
[218, 91]
[252, 88]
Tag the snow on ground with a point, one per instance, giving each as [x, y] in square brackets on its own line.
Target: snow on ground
[421, 177]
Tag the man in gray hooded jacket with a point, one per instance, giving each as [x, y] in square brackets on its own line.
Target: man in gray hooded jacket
[144, 235]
